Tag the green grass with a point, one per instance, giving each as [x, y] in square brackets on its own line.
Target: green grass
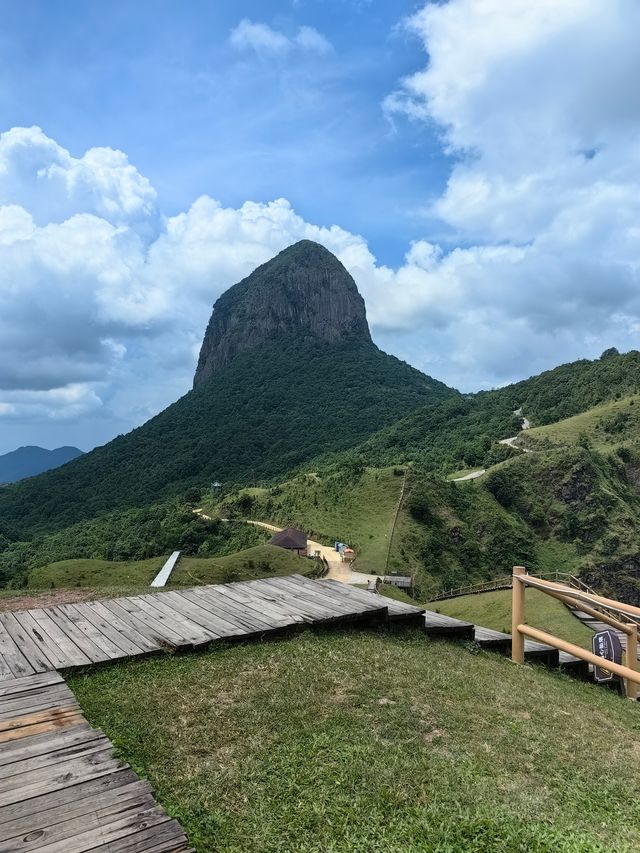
[258, 562]
[353, 742]
[493, 610]
[607, 426]
[356, 509]
[95, 573]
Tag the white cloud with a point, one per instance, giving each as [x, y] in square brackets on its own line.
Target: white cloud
[103, 302]
[536, 102]
[264, 40]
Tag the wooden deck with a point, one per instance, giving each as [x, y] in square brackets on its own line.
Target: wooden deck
[74, 635]
[61, 789]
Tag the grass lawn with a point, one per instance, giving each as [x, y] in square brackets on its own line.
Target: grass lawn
[353, 742]
[607, 426]
[258, 562]
[95, 573]
[493, 610]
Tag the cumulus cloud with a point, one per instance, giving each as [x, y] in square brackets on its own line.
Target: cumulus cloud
[534, 101]
[264, 40]
[103, 302]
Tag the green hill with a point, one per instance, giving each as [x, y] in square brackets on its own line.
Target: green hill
[247, 564]
[461, 432]
[606, 426]
[354, 505]
[313, 383]
[358, 741]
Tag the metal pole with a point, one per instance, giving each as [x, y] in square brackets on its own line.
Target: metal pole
[517, 614]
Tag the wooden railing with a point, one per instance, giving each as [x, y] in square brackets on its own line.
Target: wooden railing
[620, 616]
[505, 582]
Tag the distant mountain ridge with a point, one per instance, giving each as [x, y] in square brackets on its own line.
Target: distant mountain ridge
[31, 460]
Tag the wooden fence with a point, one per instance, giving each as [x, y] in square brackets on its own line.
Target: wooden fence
[620, 616]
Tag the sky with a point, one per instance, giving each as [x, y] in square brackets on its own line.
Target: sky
[473, 163]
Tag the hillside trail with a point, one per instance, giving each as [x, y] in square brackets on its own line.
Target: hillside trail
[337, 570]
[510, 442]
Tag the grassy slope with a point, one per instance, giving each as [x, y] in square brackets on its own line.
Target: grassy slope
[95, 573]
[357, 509]
[298, 744]
[258, 562]
[493, 610]
[607, 426]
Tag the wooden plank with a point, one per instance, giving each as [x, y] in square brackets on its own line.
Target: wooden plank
[240, 620]
[250, 597]
[5, 670]
[215, 598]
[38, 661]
[49, 742]
[44, 820]
[163, 575]
[218, 627]
[165, 838]
[91, 789]
[198, 635]
[109, 630]
[41, 639]
[438, 625]
[105, 814]
[127, 628]
[156, 622]
[74, 656]
[296, 602]
[59, 758]
[48, 724]
[30, 682]
[140, 621]
[60, 776]
[77, 613]
[110, 832]
[82, 641]
[56, 696]
[340, 598]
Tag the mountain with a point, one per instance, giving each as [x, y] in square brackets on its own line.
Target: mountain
[303, 293]
[287, 372]
[29, 461]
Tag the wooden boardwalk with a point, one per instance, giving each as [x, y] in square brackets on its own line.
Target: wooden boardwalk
[74, 635]
[61, 789]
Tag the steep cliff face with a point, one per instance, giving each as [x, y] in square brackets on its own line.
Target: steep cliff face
[302, 293]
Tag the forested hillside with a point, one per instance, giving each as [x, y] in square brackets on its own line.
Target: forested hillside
[270, 411]
[462, 431]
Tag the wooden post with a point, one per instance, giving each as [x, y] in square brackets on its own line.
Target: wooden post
[517, 615]
[632, 662]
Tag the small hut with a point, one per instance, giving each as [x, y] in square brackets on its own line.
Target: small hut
[292, 539]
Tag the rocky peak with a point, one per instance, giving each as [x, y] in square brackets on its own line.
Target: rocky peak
[304, 293]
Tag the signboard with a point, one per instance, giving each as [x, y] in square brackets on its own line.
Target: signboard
[606, 644]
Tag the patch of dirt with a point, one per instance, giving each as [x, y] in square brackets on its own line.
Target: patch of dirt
[50, 597]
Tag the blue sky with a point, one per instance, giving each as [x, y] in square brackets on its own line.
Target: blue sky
[159, 80]
[475, 165]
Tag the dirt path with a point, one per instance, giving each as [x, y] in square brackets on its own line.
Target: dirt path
[472, 476]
